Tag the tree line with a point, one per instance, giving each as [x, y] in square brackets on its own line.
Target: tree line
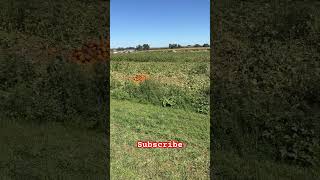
[171, 46]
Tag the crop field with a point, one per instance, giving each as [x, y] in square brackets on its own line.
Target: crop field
[160, 96]
[164, 56]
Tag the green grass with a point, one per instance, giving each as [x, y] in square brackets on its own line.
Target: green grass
[228, 165]
[50, 151]
[131, 122]
[163, 56]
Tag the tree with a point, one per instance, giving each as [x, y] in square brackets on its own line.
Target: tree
[146, 47]
[139, 48]
[206, 45]
[172, 46]
[197, 45]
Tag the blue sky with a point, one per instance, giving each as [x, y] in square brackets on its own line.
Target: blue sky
[159, 22]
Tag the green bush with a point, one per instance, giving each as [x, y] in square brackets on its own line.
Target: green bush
[58, 91]
[265, 90]
[156, 93]
[66, 23]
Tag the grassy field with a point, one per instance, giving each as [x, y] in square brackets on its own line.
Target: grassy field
[163, 56]
[172, 103]
[132, 121]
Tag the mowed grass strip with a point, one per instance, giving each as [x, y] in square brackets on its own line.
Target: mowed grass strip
[131, 122]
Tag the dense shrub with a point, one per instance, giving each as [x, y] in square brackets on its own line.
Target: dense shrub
[265, 90]
[57, 91]
[156, 93]
[36, 85]
[59, 22]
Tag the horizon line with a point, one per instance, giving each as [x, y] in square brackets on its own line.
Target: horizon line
[158, 46]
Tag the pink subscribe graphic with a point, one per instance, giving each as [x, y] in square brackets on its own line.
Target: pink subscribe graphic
[159, 144]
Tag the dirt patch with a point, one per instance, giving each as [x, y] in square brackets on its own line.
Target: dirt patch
[139, 78]
[91, 52]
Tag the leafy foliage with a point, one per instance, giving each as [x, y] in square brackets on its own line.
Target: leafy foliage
[264, 81]
[60, 91]
[38, 82]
